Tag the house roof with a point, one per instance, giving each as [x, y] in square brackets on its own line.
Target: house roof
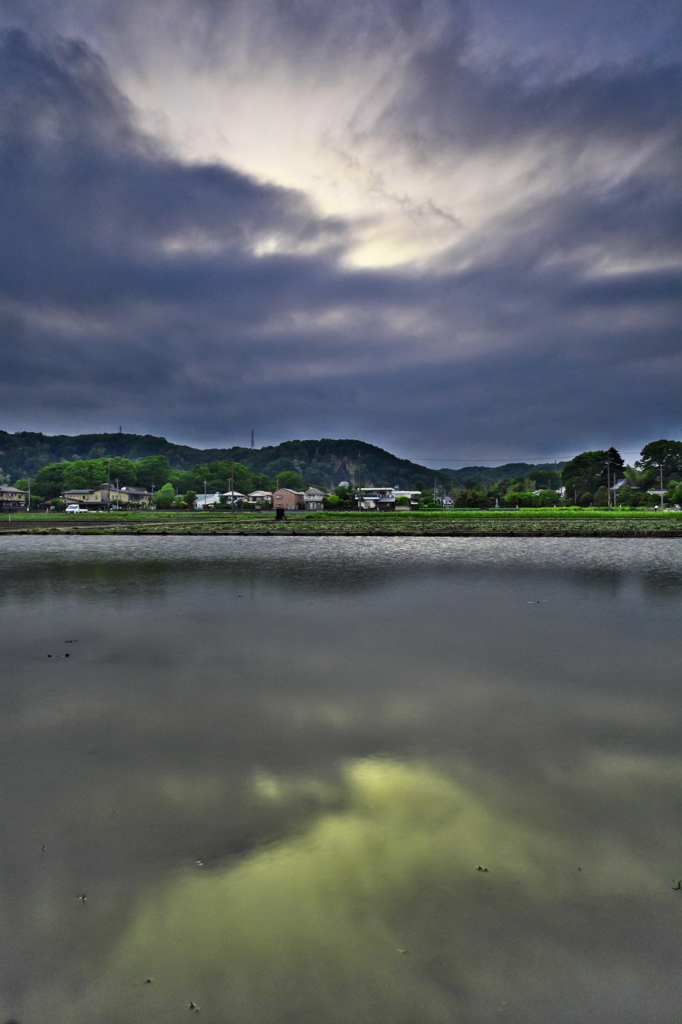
[106, 486]
[11, 490]
[132, 491]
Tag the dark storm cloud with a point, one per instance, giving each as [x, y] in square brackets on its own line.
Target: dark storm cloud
[78, 181]
[141, 287]
[452, 103]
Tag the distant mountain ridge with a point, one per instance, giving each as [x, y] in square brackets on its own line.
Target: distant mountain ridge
[326, 461]
[493, 474]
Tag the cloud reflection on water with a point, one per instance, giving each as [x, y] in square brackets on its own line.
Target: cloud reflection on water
[322, 742]
[314, 928]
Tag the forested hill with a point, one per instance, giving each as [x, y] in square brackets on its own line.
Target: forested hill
[326, 462]
[475, 476]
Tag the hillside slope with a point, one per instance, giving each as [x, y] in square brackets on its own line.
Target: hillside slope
[325, 462]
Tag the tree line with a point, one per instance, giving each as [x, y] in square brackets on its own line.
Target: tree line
[594, 478]
[171, 487]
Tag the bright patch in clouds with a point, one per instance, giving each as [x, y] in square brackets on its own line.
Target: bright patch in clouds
[320, 204]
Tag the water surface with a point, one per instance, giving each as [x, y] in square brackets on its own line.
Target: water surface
[274, 766]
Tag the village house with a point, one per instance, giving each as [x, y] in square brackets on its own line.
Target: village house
[314, 499]
[376, 499]
[261, 497]
[233, 499]
[412, 497]
[206, 500]
[106, 495]
[12, 499]
[287, 499]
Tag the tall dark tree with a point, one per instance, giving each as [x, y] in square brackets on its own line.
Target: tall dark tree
[616, 466]
[589, 471]
[666, 455]
[583, 474]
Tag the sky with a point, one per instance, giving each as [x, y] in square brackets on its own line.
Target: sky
[452, 229]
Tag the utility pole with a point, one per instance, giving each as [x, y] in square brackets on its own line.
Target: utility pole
[252, 437]
[661, 469]
[205, 497]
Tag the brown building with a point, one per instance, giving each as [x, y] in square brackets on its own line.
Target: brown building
[288, 499]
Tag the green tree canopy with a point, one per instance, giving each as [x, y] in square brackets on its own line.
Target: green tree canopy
[627, 495]
[587, 472]
[87, 473]
[165, 497]
[154, 471]
[294, 481]
[665, 454]
[217, 476]
[49, 481]
[640, 479]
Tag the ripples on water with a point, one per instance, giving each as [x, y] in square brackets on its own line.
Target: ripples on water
[273, 767]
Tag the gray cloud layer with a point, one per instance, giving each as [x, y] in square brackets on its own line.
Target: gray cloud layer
[141, 288]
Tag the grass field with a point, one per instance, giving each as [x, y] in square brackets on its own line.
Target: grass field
[461, 522]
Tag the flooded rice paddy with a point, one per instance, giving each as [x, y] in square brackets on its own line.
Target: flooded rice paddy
[340, 780]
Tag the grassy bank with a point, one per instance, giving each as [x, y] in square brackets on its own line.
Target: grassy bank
[459, 523]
